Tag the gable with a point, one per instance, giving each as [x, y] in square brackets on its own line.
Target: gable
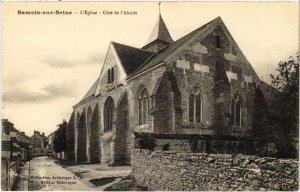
[111, 61]
[204, 43]
[165, 53]
[198, 41]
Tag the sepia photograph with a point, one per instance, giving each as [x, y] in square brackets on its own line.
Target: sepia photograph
[150, 96]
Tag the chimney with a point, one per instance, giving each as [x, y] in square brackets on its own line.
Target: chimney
[43, 134]
[22, 133]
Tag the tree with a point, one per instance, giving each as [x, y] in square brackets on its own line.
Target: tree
[59, 141]
[287, 82]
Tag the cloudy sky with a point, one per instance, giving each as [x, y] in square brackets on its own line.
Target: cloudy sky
[50, 61]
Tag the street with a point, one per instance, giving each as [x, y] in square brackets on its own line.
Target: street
[46, 175]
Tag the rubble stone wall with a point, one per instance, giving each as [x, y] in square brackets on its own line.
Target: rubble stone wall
[212, 144]
[171, 170]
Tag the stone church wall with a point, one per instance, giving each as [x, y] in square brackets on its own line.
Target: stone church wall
[79, 111]
[196, 63]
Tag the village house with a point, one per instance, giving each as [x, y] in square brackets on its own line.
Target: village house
[39, 142]
[15, 148]
[201, 83]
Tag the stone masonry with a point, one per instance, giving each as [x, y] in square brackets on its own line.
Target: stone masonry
[179, 171]
[199, 84]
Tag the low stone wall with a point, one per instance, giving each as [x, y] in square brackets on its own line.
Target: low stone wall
[213, 144]
[171, 170]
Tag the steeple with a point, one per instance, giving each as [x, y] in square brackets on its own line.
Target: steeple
[160, 36]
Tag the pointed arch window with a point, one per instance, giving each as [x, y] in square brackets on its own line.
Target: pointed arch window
[143, 106]
[195, 106]
[236, 113]
[109, 108]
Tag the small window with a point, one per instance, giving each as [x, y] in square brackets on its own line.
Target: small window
[110, 75]
[236, 110]
[143, 107]
[218, 42]
[195, 106]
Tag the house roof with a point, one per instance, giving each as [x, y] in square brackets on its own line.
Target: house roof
[164, 53]
[160, 32]
[131, 57]
[25, 138]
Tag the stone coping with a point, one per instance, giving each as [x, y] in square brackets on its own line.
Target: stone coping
[200, 136]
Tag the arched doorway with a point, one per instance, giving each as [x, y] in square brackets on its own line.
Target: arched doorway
[81, 139]
[123, 139]
[107, 137]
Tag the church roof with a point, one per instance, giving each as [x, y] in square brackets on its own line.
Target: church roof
[131, 57]
[164, 53]
[91, 91]
[160, 32]
[135, 60]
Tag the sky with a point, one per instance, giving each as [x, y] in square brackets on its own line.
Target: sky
[50, 61]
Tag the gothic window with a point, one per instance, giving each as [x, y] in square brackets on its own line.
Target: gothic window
[108, 114]
[143, 106]
[195, 106]
[236, 110]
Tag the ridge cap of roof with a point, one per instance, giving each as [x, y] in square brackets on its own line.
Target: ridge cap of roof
[122, 44]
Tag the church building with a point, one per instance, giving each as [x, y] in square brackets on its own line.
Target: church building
[201, 83]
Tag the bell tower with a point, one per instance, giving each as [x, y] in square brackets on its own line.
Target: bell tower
[159, 37]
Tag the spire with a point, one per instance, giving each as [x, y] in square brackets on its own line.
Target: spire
[159, 7]
[159, 35]
[160, 32]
